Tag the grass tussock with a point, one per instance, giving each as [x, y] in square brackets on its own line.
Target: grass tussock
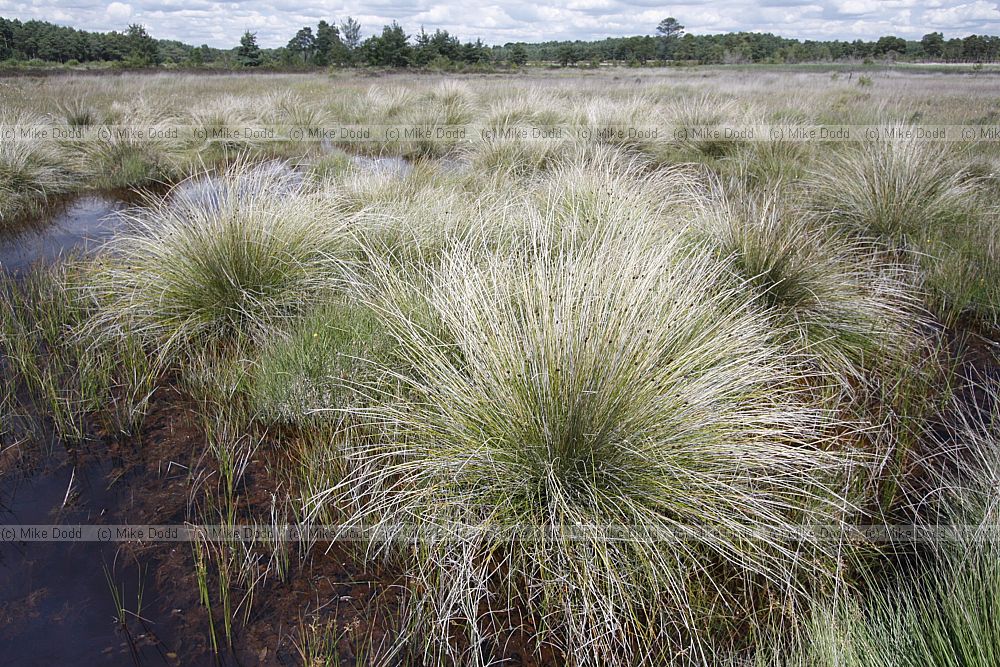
[844, 305]
[919, 198]
[895, 190]
[222, 261]
[32, 172]
[588, 195]
[551, 393]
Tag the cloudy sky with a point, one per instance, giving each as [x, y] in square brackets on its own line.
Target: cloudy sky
[275, 21]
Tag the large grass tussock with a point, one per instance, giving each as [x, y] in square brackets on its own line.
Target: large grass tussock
[223, 259]
[544, 391]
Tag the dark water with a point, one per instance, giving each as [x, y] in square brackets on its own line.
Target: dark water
[81, 224]
[57, 605]
[56, 602]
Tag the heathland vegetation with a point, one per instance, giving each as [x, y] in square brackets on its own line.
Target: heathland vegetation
[624, 398]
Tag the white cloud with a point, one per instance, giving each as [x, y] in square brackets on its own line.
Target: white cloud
[962, 15]
[855, 7]
[219, 22]
[118, 11]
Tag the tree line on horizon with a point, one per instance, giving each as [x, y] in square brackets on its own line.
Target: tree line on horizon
[333, 44]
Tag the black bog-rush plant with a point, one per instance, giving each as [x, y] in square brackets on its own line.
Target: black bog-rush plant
[920, 199]
[223, 260]
[600, 449]
[893, 189]
[606, 189]
[847, 308]
[31, 170]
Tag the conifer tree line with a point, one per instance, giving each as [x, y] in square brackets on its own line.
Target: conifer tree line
[340, 44]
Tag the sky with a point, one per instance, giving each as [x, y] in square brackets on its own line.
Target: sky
[220, 24]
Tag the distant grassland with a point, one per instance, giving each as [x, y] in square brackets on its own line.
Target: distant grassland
[719, 339]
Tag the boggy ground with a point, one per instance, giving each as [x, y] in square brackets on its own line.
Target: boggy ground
[150, 480]
[330, 596]
[723, 336]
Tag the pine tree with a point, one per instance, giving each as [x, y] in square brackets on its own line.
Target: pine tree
[518, 56]
[350, 33]
[303, 44]
[248, 54]
[142, 49]
[329, 47]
